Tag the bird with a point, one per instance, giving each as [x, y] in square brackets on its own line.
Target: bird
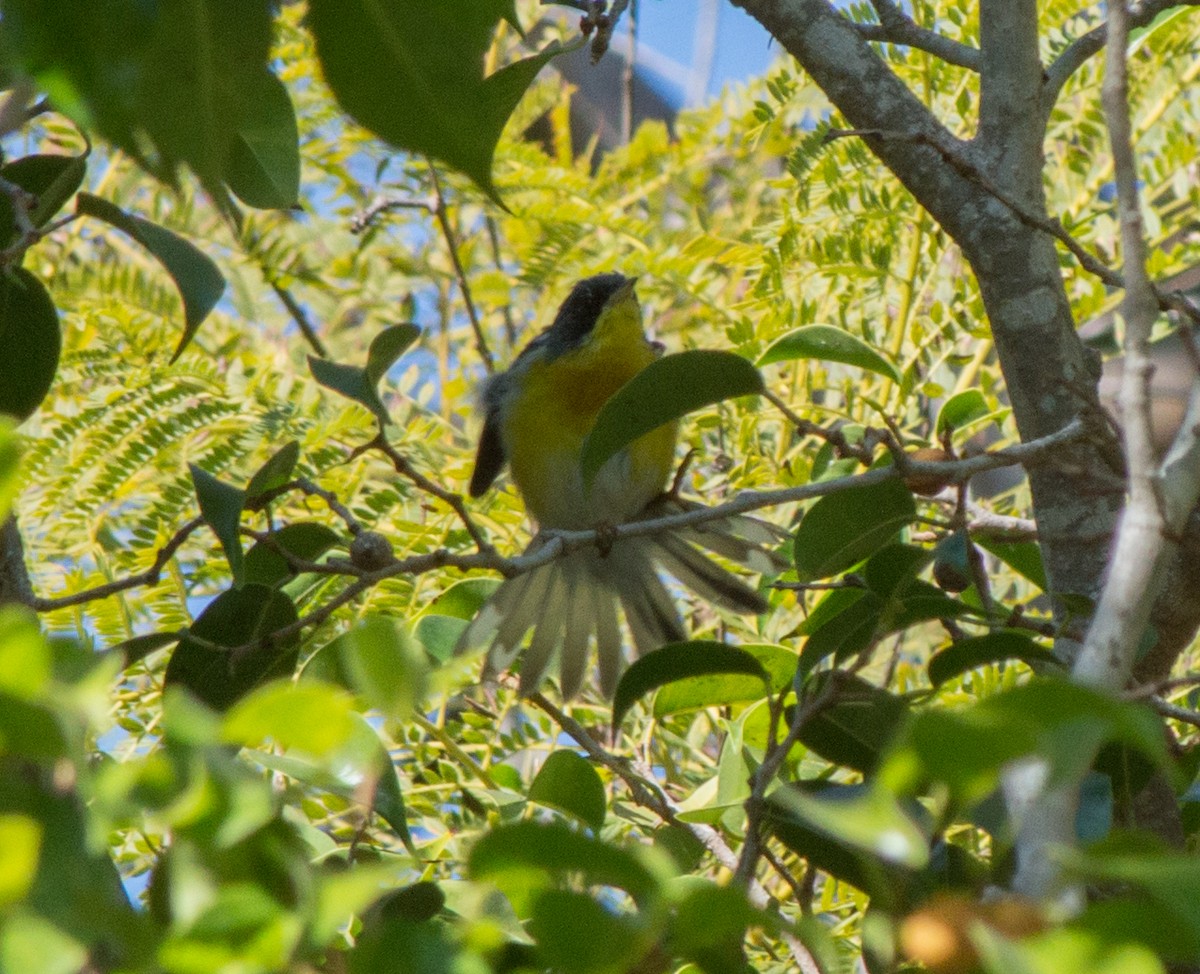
[537, 415]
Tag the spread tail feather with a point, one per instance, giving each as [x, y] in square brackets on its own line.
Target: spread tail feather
[572, 600]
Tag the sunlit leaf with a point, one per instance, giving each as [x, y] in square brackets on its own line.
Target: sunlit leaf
[828, 344]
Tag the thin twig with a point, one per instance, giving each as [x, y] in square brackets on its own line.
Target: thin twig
[864, 451]
[897, 27]
[762, 778]
[405, 468]
[628, 76]
[510, 327]
[1175, 712]
[298, 315]
[385, 204]
[1047, 224]
[460, 273]
[149, 577]
[1082, 48]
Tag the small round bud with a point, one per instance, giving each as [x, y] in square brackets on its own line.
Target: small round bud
[370, 551]
[927, 484]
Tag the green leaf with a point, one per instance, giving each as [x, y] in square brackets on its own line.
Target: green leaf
[995, 647]
[844, 635]
[276, 472]
[570, 783]
[828, 344]
[1063, 723]
[361, 383]
[558, 850]
[53, 179]
[960, 410]
[386, 348]
[722, 689]
[843, 528]
[30, 343]
[304, 539]
[869, 818]
[661, 393]
[235, 618]
[263, 168]
[576, 935]
[139, 647]
[413, 74]
[1023, 557]
[221, 506]
[679, 661]
[175, 76]
[10, 464]
[856, 730]
[198, 279]
[377, 659]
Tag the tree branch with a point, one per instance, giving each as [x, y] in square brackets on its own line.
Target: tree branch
[1080, 50]
[896, 27]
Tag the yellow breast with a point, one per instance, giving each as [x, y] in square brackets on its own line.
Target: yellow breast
[554, 407]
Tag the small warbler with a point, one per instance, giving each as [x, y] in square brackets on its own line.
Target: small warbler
[537, 415]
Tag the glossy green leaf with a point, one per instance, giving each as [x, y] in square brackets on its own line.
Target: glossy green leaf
[314, 718]
[52, 179]
[1065, 951]
[722, 689]
[960, 410]
[276, 472]
[304, 539]
[843, 528]
[1143, 920]
[30, 343]
[679, 661]
[263, 168]
[353, 752]
[709, 927]
[828, 344]
[661, 393]
[995, 647]
[221, 506]
[463, 599]
[558, 850]
[413, 74]
[377, 659]
[569, 783]
[236, 618]
[416, 902]
[856, 730]
[197, 277]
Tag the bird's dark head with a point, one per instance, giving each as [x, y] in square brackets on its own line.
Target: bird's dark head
[581, 310]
